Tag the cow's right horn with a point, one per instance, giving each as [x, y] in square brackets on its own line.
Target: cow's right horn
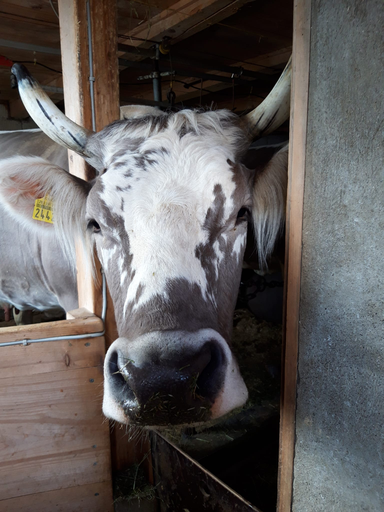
[274, 110]
[47, 116]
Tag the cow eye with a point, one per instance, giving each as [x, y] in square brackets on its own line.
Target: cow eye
[93, 226]
[243, 215]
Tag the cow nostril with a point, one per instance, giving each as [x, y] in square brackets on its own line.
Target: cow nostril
[209, 381]
[119, 380]
[114, 370]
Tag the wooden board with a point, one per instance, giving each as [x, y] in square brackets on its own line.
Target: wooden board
[57, 328]
[84, 498]
[48, 357]
[295, 199]
[54, 440]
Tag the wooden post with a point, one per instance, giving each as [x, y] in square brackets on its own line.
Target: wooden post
[75, 30]
[295, 199]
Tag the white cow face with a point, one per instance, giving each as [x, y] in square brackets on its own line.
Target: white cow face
[169, 219]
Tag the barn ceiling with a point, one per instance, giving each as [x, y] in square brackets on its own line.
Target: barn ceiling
[228, 53]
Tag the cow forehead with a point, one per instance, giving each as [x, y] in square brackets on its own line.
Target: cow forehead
[167, 173]
[177, 191]
[171, 198]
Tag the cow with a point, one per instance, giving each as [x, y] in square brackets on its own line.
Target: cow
[29, 277]
[168, 213]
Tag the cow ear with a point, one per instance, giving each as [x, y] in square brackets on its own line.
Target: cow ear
[269, 202]
[24, 180]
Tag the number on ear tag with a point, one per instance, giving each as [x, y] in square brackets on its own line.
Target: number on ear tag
[43, 210]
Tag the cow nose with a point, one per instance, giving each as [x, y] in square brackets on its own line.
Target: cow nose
[168, 388]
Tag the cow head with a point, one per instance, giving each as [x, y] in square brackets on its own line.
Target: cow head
[168, 213]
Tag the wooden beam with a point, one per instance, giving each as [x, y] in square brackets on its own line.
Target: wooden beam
[76, 73]
[184, 19]
[259, 64]
[295, 200]
[29, 14]
[83, 324]
[75, 66]
[106, 71]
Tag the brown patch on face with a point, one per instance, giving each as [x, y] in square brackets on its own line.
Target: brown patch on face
[223, 281]
[213, 224]
[243, 178]
[183, 308]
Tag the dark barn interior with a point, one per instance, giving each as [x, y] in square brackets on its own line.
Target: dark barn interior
[227, 54]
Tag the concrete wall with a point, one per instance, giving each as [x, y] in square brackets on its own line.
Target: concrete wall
[339, 452]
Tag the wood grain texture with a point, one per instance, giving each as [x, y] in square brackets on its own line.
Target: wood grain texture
[294, 224]
[105, 64]
[48, 357]
[79, 313]
[82, 498]
[53, 435]
[51, 329]
[75, 66]
[182, 19]
[76, 72]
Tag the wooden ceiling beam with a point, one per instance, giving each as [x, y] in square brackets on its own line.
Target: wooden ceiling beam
[40, 16]
[183, 19]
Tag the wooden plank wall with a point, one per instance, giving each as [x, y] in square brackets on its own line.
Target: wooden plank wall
[54, 441]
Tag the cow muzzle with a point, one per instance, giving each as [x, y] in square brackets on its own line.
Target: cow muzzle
[171, 378]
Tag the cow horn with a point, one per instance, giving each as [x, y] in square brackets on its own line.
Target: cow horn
[47, 116]
[274, 110]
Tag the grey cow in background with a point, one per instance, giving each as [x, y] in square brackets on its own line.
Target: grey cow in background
[34, 272]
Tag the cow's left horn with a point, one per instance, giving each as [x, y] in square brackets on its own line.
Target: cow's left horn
[47, 116]
[274, 110]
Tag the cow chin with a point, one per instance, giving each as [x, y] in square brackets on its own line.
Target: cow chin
[171, 378]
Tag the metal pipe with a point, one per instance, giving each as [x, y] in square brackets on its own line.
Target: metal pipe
[27, 342]
[54, 90]
[156, 77]
[90, 56]
[263, 79]
[186, 62]
[29, 47]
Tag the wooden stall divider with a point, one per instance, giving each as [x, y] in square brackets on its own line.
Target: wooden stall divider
[295, 199]
[55, 446]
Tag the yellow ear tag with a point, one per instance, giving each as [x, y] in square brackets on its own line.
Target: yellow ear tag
[43, 210]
